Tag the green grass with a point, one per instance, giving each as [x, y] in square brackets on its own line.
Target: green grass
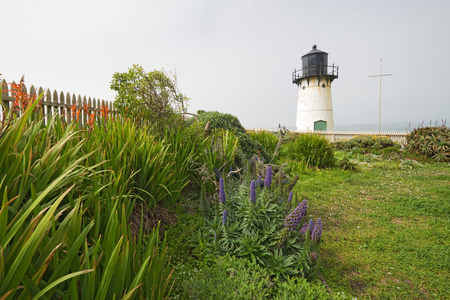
[386, 228]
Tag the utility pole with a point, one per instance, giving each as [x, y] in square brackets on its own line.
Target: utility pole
[379, 106]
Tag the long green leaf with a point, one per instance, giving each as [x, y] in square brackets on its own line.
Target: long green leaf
[56, 282]
[108, 272]
[23, 259]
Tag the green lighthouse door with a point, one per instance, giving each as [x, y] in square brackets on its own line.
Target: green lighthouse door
[320, 125]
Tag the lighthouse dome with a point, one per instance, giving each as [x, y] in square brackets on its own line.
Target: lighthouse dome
[315, 62]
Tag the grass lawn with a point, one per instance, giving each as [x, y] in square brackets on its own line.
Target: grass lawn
[386, 228]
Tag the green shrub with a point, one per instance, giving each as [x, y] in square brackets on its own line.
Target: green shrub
[344, 161]
[314, 150]
[247, 146]
[430, 141]
[229, 278]
[149, 98]
[220, 120]
[267, 139]
[369, 142]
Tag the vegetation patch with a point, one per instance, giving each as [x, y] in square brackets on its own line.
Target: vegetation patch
[431, 141]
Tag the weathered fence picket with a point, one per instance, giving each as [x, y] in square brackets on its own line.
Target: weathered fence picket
[56, 102]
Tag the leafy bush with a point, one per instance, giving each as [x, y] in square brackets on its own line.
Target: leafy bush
[149, 96]
[345, 162]
[430, 141]
[370, 142]
[220, 120]
[247, 146]
[312, 149]
[267, 139]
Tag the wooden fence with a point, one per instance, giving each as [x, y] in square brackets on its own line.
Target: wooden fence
[60, 103]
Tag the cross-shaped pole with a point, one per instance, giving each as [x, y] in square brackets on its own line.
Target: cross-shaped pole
[379, 106]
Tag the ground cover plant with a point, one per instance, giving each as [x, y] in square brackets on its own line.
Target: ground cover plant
[386, 227]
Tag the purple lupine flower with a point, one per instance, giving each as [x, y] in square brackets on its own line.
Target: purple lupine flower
[292, 221]
[224, 217]
[311, 226]
[259, 182]
[317, 231]
[304, 228]
[290, 197]
[221, 191]
[268, 179]
[253, 191]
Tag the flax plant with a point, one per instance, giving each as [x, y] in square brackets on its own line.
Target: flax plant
[267, 139]
[312, 150]
[66, 196]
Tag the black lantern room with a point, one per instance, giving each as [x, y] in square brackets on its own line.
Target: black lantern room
[315, 64]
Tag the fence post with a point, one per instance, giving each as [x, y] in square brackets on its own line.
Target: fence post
[5, 94]
[55, 103]
[80, 119]
[48, 101]
[62, 102]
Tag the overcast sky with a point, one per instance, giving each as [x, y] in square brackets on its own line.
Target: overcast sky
[238, 56]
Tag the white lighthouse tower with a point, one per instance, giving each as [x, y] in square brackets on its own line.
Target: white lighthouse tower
[314, 107]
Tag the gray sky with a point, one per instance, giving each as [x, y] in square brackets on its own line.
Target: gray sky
[237, 56]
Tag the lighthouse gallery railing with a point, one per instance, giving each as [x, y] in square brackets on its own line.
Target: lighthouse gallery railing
[315, 71]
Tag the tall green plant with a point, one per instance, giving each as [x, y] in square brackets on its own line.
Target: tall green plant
[267, 139]
[313, 150]
[65, 205]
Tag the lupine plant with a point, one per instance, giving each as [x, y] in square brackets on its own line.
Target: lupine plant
[255, 223]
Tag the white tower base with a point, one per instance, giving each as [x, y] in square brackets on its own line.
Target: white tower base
[314, 107]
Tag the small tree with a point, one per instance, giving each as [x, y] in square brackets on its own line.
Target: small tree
[152, 96]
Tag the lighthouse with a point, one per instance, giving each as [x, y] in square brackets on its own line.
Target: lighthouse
[314, 107]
